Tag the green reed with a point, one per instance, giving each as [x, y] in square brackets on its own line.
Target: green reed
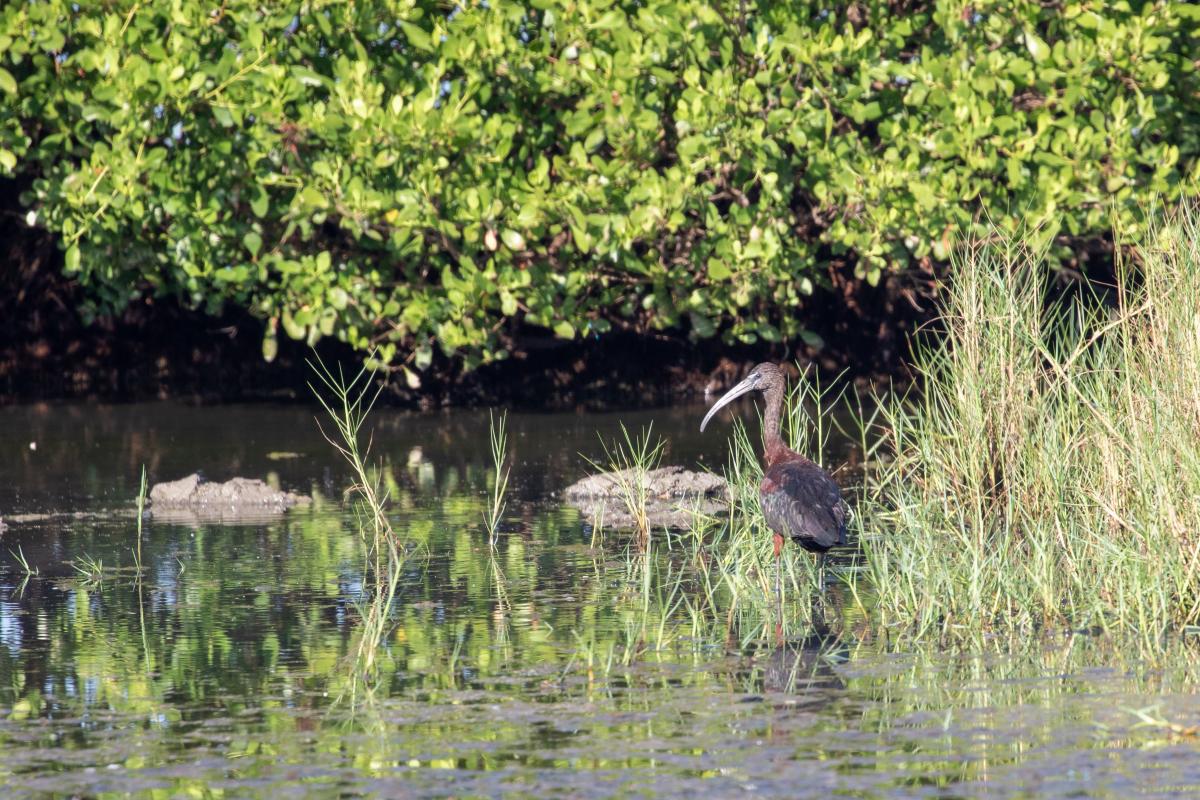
[629, 462]
[498, 436]
[28, 570]
[141, 511]
[347, 407]
[89, 570]
[139, 570]
[1047, 473]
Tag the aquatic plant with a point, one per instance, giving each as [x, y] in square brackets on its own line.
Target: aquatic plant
[384, 553]
[498, 437]
[1047, 473]
[348, 409]
[629, 461]
[90, 570]
[27, 569]
[141, 510]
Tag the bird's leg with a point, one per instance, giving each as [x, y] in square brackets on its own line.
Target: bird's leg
[779, 588]
[818, 596]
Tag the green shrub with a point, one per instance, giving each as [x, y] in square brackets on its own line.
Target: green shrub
[417, 175]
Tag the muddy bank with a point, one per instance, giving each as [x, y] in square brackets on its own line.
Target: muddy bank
[194, 500]
[193, 491]
[673, 497]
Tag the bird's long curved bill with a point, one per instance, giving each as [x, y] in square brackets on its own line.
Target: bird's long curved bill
[733, 394]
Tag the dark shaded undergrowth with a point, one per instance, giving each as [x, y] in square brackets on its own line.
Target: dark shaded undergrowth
[157, 348]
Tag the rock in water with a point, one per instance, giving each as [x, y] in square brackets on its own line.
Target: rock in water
[194, 499]
[674, 496]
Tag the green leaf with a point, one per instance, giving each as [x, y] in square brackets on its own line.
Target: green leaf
[811, 339]
[423, 356]
[72, 258]
[702, 325]
[7, 82]
[718, 270]
[508, 303]
[416, 36]
[223, 116]
[1037, 48]
[291, 327]
[309, 196]
[270, 345]
[253, 242]
[512, 239]
[260, 203]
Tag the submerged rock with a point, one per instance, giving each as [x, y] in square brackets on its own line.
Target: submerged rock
[674, 496]
[193, 498]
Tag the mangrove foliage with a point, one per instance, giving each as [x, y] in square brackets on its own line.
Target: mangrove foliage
[415, 177]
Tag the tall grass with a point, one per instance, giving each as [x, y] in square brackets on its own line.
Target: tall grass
[141, 513]
[1046, 473]
[498, 436]
[347, 404]
[629, 462]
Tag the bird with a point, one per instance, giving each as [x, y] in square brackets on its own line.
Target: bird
[800, 500]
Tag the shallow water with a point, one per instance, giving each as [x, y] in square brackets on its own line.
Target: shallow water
[230, 670]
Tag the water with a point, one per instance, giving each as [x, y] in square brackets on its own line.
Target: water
[230, 670]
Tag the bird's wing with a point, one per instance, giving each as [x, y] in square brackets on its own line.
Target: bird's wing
[800, 501]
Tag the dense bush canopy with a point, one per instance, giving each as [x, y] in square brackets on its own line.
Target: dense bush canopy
[414, 175]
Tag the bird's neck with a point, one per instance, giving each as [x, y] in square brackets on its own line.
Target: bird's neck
[772, 441]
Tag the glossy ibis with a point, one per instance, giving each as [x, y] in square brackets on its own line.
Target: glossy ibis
[800, 501]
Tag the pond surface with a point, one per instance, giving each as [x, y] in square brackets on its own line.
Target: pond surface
[230, 669]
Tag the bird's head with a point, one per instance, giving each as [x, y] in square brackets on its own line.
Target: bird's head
[759, 379]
